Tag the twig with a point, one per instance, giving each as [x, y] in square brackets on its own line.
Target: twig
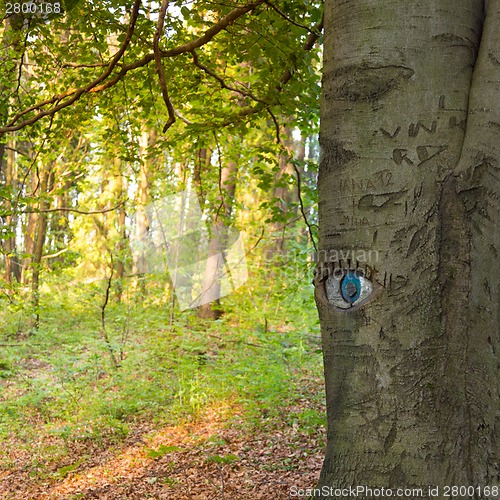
[251, 344]
[276, 125]
[308, 45]
[103, 318]
[52, 255]
[66, 209]
[313, 37]
[93, 65]
[159, 65]
[223, 84]
[302, 210]
[183, 118]
[290, 20]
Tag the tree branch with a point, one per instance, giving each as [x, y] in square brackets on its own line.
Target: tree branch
[301, 205]
[99, 84]
[88, 65]
[74, 93]
[223, 84]
[53, 255]
[66, 209]
[290, 20]
[159, 66]
[313, 37]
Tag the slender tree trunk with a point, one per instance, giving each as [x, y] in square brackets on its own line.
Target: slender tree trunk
[216, 267]
[46, 181]
[409, 192]
[30, 231]
[201, 164]
[9, 244]
[119, 262]
[142, 200]
[283, 195]
[9, 63]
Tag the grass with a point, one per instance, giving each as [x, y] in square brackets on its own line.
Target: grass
[58, 386]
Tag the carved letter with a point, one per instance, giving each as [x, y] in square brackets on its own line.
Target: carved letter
[426, 153]
[454, 123]
[414, 129]
[388, 134]
[398, 155]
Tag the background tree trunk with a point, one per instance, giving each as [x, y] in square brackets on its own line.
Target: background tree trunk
[142, 200]
[9, 244]
[216, 266]
[46, 184]
[412, 376]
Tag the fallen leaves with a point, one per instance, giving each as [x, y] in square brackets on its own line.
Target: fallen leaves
[214, 457]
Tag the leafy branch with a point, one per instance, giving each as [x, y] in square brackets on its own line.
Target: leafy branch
[101, 83]
[73, 95]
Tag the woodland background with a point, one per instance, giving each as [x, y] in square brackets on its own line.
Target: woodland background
[107, 388]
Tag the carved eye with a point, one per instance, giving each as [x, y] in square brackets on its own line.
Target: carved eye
[349, 289]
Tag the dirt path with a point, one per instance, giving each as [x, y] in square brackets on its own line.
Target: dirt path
[212, 458]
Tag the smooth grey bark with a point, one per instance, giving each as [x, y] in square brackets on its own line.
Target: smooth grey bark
[409, 190]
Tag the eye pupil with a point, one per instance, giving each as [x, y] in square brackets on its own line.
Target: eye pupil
[350, 287]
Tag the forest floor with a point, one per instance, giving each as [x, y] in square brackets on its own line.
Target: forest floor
[232, 409]
[216, 456]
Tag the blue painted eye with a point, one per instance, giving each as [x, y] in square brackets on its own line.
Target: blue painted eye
[348, 289]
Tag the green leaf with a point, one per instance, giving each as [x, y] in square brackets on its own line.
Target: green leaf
[226, 459]
[162, 450]
[69, 5]
[64, 471]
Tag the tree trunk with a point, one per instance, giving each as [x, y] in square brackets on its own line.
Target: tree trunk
[408, 197]
[46, 181]
[120, 188]
[30, 230]
[12, 36]
[216, 267]
[142, 200]
[9, 244]
[283, 194]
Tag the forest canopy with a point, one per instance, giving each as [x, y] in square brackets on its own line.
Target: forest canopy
[108, 106]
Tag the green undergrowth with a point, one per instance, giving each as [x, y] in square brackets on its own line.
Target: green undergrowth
[60, 386]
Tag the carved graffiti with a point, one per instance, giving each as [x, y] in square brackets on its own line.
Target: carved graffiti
[426, 153]
[399, 155]
[454, 123]
[352, 220]
[414, 128]
[388, 134]
[378, 180]
[423, 154]
[377, 202]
